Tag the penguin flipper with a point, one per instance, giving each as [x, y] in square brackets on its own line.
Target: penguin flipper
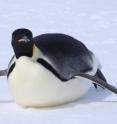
[3, 72]
[99, 75]
[11, 65]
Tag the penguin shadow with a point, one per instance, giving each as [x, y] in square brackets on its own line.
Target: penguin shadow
[93, 95]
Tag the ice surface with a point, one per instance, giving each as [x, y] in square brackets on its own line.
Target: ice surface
[94, 22]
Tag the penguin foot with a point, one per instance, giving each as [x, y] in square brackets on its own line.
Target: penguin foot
[96, 86]
[100, 76]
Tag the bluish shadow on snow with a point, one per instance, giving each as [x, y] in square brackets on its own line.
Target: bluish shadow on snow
[93, 95]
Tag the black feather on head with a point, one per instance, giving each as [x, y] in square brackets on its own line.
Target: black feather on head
[22, 42]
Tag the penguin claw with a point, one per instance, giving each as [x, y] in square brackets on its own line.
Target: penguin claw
[96, 86]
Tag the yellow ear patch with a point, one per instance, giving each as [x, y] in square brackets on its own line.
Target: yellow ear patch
[35, 52]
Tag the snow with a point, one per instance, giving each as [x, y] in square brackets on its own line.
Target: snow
[92, 22]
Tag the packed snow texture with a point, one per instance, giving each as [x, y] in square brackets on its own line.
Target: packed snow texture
[94, 22]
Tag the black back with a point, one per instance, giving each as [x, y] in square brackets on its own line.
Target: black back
[67, 55]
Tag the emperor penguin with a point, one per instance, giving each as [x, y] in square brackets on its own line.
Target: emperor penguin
[51, 69]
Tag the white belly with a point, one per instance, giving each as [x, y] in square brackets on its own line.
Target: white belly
[34, 86]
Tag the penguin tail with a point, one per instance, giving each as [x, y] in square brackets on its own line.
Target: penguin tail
[3, 72]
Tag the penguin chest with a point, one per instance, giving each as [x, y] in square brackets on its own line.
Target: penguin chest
[34, 86]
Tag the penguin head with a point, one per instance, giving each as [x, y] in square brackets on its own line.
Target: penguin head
[22, 42]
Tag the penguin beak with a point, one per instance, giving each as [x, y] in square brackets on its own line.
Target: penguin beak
[24, 39]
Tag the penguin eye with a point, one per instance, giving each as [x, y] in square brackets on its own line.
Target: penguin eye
[24, 39]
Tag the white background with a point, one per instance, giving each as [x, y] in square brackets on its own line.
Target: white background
[94, 22]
